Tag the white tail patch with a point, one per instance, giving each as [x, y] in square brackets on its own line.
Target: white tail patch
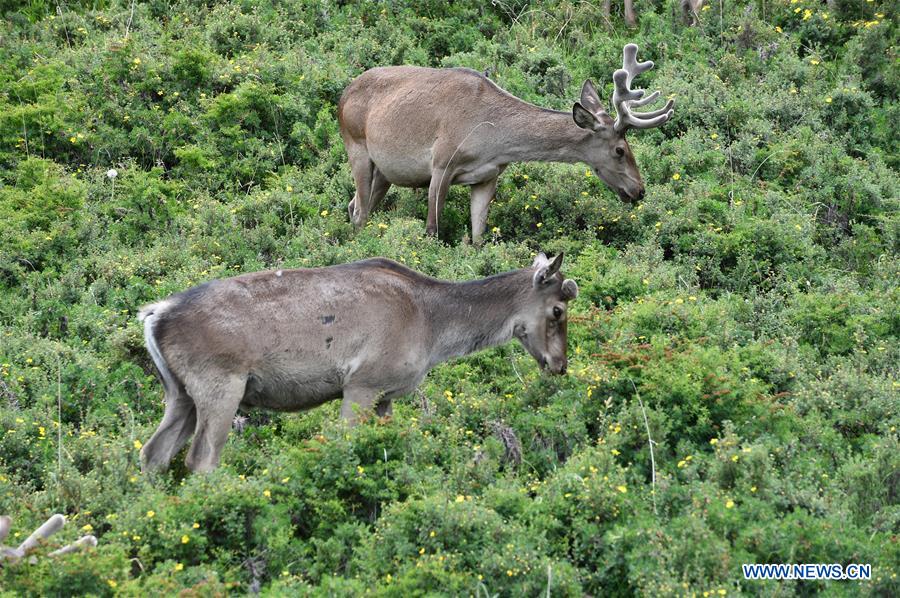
[148, 316]
[279, 273]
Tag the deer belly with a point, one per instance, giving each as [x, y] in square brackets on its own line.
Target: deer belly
[411, 169]
[293, 391]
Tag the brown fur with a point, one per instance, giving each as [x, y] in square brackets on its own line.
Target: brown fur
[415, 127]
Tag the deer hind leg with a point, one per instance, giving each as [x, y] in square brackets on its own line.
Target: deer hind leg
[362, 168]
[173, 432]
[437, 196]
[217, 403]
[379, 189]
[481, 196]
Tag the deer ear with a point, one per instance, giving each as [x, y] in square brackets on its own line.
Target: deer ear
[545, 272]
[589, 98]
[584, 118]
[569, 289]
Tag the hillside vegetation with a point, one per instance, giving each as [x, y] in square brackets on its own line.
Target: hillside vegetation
[745, 315]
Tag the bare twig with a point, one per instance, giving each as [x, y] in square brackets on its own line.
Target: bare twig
[649, 442]
[130, 18]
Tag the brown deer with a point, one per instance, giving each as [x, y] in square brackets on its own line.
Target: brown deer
[416, 127]
[368, 332]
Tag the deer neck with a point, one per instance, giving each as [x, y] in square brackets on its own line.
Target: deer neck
[470, 316]
[536, 134]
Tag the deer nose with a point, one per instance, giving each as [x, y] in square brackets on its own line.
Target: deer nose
[641, 194]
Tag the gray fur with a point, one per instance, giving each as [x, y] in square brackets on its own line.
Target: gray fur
[367, 332]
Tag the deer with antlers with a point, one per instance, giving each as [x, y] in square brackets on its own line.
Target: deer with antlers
[420, 127]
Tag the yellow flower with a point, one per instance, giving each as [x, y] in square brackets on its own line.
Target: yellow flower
[722, 592]
[682, 463]
[679, 300]
[73, 139]
[812, 61]
[525, 176]
[382, 225]
[289, 189]
[112, 583]
[324, 213]
[676, 176]
[752, 488]
[267, 493]
[539, 224]
[196, 525]
[615, 453]
[622, 489]
[137, 445]
[460, 498]
[729, 504]
[185, 539]
[828, 100]
[151, 514]
[778, 29]
[587, 173]
[714, 441]
[714, 136]
[136, 61]
[807, 14]
[87, 527]
[179, 566]
[734, 458]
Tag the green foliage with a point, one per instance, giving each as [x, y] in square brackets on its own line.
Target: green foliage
[742, 320]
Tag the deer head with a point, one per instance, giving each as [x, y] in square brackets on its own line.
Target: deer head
[612, 159]
[543, 328]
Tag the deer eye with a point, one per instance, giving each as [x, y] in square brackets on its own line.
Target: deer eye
[620, 151]
[557, 312]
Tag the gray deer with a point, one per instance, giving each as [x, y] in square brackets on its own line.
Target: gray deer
[368, 331]
[416, 127]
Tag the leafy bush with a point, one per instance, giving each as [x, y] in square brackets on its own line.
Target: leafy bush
[731, 387]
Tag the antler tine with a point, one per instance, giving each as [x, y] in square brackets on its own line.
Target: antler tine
[631, 65]
[625, 98]
[50, 527]
[81, 543]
